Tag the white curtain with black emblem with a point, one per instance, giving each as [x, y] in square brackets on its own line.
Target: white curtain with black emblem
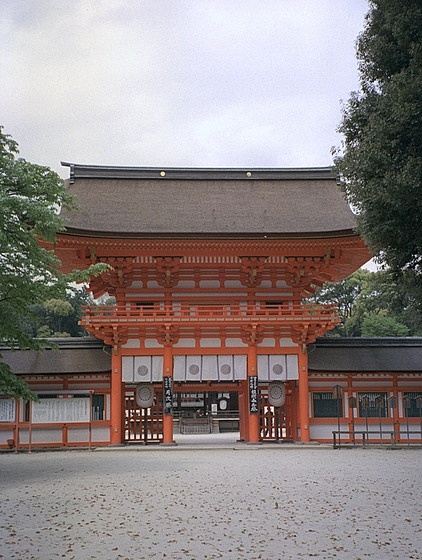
[142, 369]
[277, 367]
[209, 368]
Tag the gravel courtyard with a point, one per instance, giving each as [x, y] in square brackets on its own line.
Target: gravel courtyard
[239, 502]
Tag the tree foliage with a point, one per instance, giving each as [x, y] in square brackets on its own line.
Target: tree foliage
[30, 196]
[381, 325]
[376, 303]
[380, 163]
[60, 317]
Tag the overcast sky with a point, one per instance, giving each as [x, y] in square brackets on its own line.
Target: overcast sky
[199, 83]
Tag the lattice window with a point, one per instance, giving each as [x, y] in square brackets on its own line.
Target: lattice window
[373, 405]
[412, 404]
[98, 407]
[325, 406]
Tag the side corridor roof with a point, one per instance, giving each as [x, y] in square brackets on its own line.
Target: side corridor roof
[89, 355]
[69, 356]
[366, 354]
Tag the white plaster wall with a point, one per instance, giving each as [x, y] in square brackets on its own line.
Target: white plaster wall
[233, 284]
[77, 435]
[210, 343]
[186, 284]
[288, 342]
[322, 431]
[5, 434]
[152, 343]
[53, 435]
[380, 384]
[101, 434]
[209, 284]
[81, 435]
[132, 343]
[185, 343]
[235, 342]
[267, 342]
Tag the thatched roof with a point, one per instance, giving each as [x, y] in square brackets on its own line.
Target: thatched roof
[146, 202]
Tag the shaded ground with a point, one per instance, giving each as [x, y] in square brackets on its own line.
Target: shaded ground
[243, 503]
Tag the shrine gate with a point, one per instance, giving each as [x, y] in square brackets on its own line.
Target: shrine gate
[210, 270]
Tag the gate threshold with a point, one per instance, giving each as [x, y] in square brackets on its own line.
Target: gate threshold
[227, 439]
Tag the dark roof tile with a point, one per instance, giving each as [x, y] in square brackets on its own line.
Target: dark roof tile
[364, 355]
[74, 356]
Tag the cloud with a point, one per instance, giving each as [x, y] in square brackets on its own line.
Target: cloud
[176, 82]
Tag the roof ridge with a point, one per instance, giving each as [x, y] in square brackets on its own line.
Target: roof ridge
[81, 171]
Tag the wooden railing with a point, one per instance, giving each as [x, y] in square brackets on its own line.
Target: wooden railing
[127, 313]
[376, 437]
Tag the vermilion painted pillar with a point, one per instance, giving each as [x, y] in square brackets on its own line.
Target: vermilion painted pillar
[396, 410]
[116, 431]
[303, 396]
[243, 410]
[168, 395]
[350, 409]
[253, 397]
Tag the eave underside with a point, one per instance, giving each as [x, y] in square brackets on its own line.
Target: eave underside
[334, 257]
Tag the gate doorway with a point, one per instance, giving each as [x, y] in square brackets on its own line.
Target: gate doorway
[143, 425]
[276, 423]
[205, 412]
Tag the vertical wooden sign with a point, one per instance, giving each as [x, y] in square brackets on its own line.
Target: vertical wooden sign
[253, 394]
[168, 395]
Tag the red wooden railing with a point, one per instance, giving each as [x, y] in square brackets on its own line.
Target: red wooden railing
[128, 313]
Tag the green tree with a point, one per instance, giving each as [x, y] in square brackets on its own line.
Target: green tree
[78, 298]
[30, 196]
[398, 295]
[395, 298]
[407, 303]
[344, 295]
[60, 317]
[380, 325]
[57, 310]
[380, 162]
